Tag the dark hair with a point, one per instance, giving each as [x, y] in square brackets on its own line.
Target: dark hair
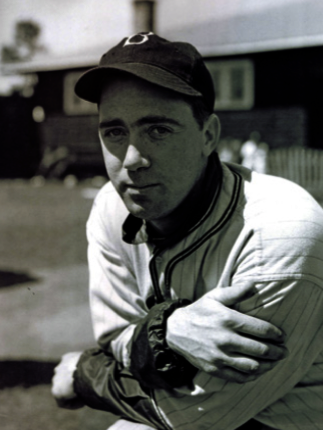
[200, 110]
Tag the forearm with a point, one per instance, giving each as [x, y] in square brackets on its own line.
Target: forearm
[103, 383]
[92, 379]
[151, 363]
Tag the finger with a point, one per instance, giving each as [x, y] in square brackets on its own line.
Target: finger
[255, 327]
[259, 349]
[230, 296]
[251, 366]
[233, 375]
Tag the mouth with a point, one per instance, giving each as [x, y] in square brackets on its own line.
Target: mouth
[140, 187]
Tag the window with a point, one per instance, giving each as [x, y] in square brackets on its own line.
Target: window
[234, 84]
[73, 105]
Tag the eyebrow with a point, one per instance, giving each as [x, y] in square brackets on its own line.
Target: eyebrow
[149, 119]
[159, 119]
[113, 122]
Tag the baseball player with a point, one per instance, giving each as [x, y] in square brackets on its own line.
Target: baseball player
[205, 278]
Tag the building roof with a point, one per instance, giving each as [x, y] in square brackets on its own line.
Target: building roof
[285, 26]
[48, 62]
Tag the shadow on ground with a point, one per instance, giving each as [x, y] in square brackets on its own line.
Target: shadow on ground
[8, 278]
[25, 373]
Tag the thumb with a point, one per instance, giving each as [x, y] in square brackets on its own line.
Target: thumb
[234, 294]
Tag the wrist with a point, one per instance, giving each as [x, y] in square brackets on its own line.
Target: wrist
[153, 362]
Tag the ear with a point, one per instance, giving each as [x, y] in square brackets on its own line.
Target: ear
[211, 130]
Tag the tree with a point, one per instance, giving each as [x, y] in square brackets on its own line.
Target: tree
[25, 44]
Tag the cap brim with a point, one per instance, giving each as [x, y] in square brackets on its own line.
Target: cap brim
[89, 85]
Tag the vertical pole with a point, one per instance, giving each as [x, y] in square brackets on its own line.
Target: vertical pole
[144, 15]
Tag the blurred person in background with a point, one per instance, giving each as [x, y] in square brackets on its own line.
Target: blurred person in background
[254, 153]
[229, 150]
[249, 149]
[205, 278]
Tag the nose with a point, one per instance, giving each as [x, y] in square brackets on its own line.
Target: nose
[134, 158]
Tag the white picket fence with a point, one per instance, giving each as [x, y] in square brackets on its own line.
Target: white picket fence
[301, 165]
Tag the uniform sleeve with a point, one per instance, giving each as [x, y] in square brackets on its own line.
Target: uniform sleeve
[115, 301]
[297, 307]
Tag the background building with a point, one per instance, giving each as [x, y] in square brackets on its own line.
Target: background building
[267, 66]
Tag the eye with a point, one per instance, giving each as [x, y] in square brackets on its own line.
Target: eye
[114, 134]
[159, 131]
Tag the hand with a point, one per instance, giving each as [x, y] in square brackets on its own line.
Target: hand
[223, 342]
[62, 383]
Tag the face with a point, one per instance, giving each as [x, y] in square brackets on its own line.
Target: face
[153, 148]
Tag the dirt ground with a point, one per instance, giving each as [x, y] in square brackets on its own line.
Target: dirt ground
[43, 301]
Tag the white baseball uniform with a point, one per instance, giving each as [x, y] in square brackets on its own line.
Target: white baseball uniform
[259, 228]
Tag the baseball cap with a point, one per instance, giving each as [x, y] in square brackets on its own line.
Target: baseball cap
[177, 66]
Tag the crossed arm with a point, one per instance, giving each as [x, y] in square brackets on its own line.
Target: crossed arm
[230, 334]
[212, 336]
[237, 348]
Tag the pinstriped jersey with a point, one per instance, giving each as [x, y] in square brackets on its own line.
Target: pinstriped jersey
[257, 228]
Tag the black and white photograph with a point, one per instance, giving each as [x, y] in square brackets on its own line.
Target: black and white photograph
[161, 221]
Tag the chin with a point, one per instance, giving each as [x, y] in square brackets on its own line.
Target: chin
[138, 210]
[148, 206]
[147, 212]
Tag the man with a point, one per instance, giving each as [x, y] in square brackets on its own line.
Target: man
[194, 264]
